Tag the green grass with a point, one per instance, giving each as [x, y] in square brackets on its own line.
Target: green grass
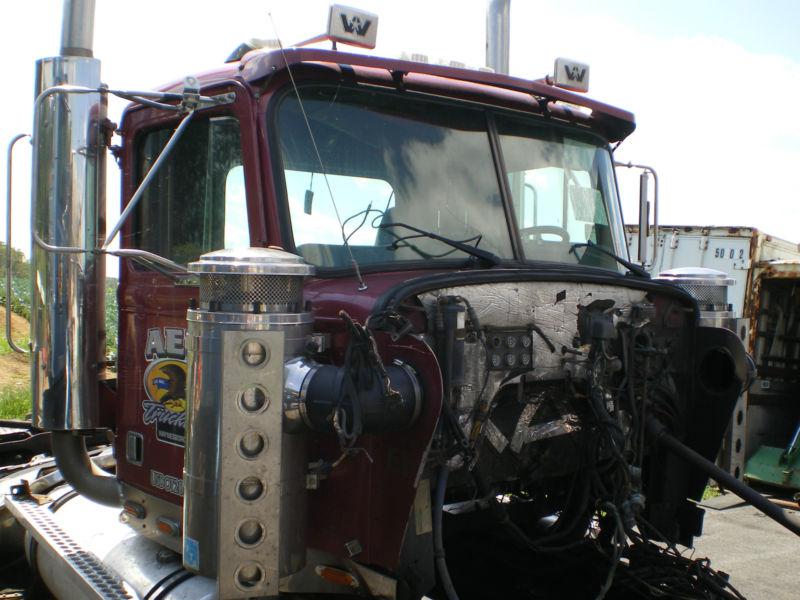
[711, 491]
[22, 342]
[15, 402]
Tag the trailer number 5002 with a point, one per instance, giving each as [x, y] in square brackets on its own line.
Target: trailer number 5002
[730, 252]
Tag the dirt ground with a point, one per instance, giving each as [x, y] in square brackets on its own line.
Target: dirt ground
[14, 367]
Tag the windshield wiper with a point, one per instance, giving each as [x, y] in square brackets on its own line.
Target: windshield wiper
[486, 257]
[635, 269]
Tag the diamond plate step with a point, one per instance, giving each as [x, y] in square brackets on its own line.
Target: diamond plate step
[81, 566]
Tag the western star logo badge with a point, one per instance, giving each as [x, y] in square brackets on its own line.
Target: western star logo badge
[165, 385]
[355, 25]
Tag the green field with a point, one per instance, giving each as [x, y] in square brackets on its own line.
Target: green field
[15, 396]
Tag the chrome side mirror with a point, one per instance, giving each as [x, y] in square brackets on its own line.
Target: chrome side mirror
[644, 212]
[644, 217]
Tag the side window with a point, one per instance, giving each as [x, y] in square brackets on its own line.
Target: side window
[196, 203]
[236, 232]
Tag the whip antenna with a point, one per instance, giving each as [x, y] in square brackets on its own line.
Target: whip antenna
[361, 283]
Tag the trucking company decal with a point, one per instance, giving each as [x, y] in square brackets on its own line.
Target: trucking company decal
[170, 484]
[165, 384]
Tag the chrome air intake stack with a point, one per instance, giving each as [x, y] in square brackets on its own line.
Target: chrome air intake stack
[710, 288]
[244, 478]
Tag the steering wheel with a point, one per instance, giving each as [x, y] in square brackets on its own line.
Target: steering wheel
[538, 230]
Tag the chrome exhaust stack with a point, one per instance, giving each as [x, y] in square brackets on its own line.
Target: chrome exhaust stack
[67, 225]
[67, 222]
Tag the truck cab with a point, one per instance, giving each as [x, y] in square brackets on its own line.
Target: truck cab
[380, 308]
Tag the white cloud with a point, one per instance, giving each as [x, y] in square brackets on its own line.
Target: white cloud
[715, 120]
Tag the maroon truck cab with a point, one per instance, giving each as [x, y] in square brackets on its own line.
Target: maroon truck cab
[455, 215]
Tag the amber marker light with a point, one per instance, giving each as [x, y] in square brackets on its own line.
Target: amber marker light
[337, 576]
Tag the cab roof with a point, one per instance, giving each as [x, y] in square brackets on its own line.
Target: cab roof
[537, 96]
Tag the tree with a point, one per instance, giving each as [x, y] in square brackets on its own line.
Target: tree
[20, 266]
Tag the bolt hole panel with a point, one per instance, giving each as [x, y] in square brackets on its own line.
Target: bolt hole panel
[253, 400]
[254, 353]
[248, 576]
[250, 533]
[250, 489]
[251, 444]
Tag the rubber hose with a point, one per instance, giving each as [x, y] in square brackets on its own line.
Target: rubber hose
[725, 479]
[438, 545]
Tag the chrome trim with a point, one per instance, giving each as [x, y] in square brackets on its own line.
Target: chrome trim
[145, 569]
[263, 320]
[9, 173]
[80, 68]
[297, 376]
[252, 261]
[132, 438]
[149, 256]
[697, 276]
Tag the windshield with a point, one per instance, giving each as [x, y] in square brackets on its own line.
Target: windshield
[562, 190]
[377, 160]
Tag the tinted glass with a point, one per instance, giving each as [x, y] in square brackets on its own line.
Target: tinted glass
[562, 187]
[388, 159]
[196, 202]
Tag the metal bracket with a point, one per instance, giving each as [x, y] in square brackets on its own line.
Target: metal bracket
[9, 173]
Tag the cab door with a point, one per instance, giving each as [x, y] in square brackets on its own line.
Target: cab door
[203, 198]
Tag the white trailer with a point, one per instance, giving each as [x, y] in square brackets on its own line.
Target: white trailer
[765, 300]
[738, 251]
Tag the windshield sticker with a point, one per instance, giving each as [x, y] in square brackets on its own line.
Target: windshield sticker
[165, 385]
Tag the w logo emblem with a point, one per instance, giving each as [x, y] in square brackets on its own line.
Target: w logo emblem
[351, 26]
[571, 75]
[355, 25]
[574, 73]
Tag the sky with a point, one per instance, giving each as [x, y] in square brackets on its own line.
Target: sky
[714, 84]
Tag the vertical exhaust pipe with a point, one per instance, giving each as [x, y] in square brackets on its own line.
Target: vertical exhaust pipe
[498, 22]
[68, 211]
[77, 28]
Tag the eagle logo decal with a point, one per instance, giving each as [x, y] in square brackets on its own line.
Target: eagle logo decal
[165, 406]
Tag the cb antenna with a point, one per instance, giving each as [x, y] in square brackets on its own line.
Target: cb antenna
[361, 283]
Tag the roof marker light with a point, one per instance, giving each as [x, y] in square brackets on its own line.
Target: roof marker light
[571, 75]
